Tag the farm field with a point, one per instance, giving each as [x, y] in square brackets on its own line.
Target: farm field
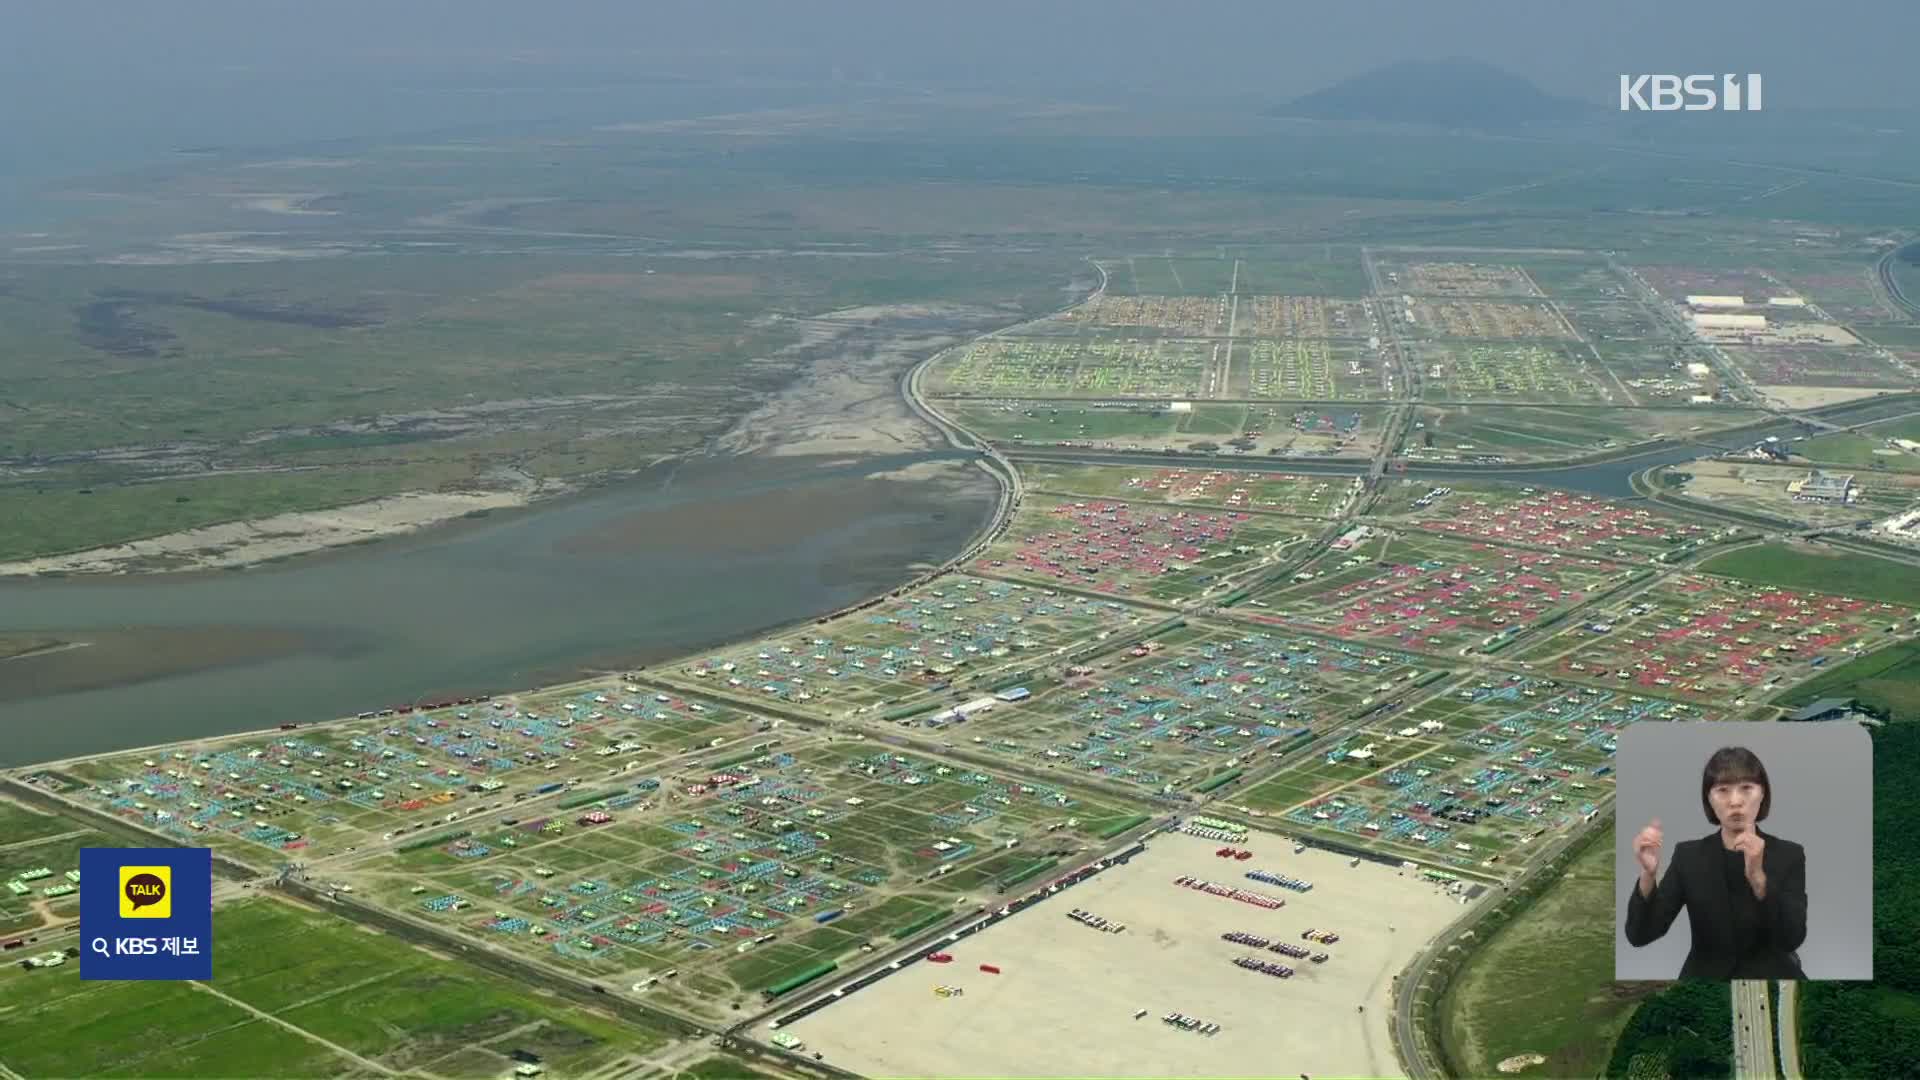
[1676, 283]
[1519, 372]
[268, 799]
[1065, 983]
[1320, 270]
[1616, 320]
[1136, 549]
[1280, 493]
[1419, 591]
[1093, 367]
[1453, 279]
[1303, 369]
[1577, 278]
[1852, 298]
[1193, 702]
[1503, 320]
[958, 629]
[1757, 488]
[727, 879]
[1544, 433]
[1713, 639]
[1562, 521]
[377, 998]
[1138, 275]
[1898, 337]
[1467, 779]
[1816, 366]
[1304, 317]
[1172, 316]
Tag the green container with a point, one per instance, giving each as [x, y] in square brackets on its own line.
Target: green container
[797, 981]
[918, 925]
[1122, 825]
[1223, 778]
[901, 712]
[591, 797]
[433, 841]
[1030, 872]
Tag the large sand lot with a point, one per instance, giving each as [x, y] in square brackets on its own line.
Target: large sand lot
[1064, 1004]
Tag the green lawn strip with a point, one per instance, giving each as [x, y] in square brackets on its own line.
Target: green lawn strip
[17, 824]
[1543, 983]
[721, 1067]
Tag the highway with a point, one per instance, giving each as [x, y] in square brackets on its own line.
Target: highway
[1752, 1030]
[1789, 1030]
[1891, 283]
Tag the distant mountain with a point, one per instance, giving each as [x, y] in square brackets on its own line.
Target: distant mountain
[1443, 93]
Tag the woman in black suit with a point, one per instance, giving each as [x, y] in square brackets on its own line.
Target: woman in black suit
[1745, 891]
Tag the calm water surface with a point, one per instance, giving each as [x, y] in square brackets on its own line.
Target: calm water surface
[638, 573]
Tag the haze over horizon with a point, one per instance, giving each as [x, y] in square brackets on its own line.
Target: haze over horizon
[111, 85]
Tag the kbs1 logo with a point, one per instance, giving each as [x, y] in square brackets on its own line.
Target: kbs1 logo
[1692, 93]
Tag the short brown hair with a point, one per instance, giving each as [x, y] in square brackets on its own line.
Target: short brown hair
[1731, 764]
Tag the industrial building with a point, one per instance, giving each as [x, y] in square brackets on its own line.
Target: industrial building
[1704, 321]
[1716, 301]
[1824, 709]
[1824, 487]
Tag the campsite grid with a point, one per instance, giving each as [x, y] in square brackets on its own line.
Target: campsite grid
[1143, 549]
[1283, 493]
[1562, 520]
[283, 797]
[1095, 367]
[1712, 639]
[697, 872]
[1495, 766]
[1425, 592]
[921, 641]
[1167, 711]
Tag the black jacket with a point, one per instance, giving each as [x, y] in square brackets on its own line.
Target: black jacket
[1696, 879]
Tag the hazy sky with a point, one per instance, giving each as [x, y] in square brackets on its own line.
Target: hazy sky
[89, 84]
[1834, 52]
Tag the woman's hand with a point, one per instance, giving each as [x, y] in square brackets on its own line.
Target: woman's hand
[1646, 848]
[1753, 846]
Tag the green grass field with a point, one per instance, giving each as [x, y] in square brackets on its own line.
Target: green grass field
[1844, 573]
[1858, 448]
[1543, 983]
[327, 984]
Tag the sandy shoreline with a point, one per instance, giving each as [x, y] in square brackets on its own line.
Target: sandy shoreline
[242, 543]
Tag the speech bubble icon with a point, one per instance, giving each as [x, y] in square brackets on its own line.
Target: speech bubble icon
[145, 890]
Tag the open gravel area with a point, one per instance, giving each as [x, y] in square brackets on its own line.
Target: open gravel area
[1065, 1000]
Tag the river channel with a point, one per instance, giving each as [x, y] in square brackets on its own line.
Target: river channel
[656, 568]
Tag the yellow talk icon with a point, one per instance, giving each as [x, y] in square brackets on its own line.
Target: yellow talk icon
[146, 892]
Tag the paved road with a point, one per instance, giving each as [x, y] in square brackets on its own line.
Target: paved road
[1789, 1030]
[1752, 1030]
[1892, 284]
